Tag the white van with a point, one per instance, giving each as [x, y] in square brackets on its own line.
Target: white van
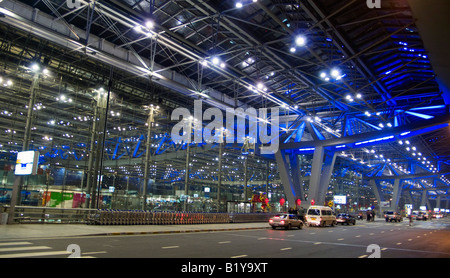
[320, 216]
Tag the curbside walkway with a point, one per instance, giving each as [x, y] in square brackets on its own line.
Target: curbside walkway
[34, 231]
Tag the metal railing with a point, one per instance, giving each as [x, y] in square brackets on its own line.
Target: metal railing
[27, 214]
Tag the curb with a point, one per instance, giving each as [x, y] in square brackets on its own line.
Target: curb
[177, 232]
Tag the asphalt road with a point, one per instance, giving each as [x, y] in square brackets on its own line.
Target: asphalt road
[424, 239]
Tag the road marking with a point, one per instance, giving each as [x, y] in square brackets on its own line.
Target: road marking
[358, 236]
[399, 243]
[287, 248]
[170, 247]
[35, 254]
[13, 249]
[240, 256]
[317, 243]
[223, 242]
[410, 239]
[261, 238]
[340, 239]
[96, 252]
[15, 243]
[362, 256]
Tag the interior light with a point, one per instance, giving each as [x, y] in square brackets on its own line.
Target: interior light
[215, 60]
[323, 75]
[358, 95]
[150, 24]
[239, 5]
[334, 73]
[35, 67]
[292, 49]
[300, 40]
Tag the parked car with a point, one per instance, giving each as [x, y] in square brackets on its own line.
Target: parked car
[392, 216]
[320, 216]
[346, 218]
[286, 220]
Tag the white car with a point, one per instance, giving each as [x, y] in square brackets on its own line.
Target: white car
[320, 216]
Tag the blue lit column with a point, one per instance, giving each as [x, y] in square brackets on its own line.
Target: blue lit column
[396, 195]
[286, 179]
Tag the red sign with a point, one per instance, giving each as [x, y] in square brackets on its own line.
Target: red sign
[282, 201]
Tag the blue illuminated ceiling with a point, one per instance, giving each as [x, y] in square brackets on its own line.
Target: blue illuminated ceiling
[360, 70]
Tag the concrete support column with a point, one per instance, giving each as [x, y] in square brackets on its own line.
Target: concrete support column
[286, 179]
[424, 199]
[316, 171]
[321, 169]
[396, 195]
[377, 192]
[296, 178]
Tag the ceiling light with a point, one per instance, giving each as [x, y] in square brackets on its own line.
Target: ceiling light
[300, 40]
[35, 67]
[150, 24]
[335, 73]
[239, 5]
[292, 49]
[215, 60]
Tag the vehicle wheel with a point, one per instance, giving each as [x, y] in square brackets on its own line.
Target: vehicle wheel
[288, 227]
[273, 227]
[300, 226]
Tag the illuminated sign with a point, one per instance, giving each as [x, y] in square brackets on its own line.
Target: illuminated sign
[27, 163]
[341, 200]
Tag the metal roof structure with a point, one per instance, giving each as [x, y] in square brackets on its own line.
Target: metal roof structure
[334, 68]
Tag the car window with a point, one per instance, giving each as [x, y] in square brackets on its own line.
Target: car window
[314, 212]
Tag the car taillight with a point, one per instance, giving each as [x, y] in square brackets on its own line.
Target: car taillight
[282, 222]
[270, 221]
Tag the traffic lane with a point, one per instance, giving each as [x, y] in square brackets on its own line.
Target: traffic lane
[315, 242]
[252, 244]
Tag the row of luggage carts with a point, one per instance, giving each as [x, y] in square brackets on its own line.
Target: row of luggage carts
[141, 217]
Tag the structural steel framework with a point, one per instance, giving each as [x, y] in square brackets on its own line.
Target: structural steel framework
[355, 87]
